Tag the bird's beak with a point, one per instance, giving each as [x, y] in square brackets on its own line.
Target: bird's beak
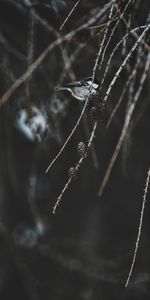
[61, 88]
[69, 86]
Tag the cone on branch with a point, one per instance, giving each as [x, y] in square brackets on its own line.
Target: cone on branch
[81, 148]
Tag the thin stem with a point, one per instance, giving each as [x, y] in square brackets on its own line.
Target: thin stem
[125, 61]
[140, 227]
[102, 43]
[77, 167]
[114, 111]
[51, 47]
[112, 33]
[80, 117]
[114, 51]
[69, 137]
[70, 13]
[125, 127]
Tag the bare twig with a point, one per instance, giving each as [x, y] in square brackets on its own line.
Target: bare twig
[125, 61]
[82, 112]
[30, 55]
[70, 13]
[136, 36]
[125, 128]
[104, 24]
[102, 42]
[77, 167]
[69, 137]
[112, 33]
[140, 227]
[115, 109]
[114, 51]
[51, 47]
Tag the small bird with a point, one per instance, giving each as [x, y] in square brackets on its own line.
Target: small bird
[81, 89]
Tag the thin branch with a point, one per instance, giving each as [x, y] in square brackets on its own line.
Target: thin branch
[77, 167]
[125, 61]
[140, 226]
[81, 115]
[114, 51]
[136, 36]
[104, 24]
[51, 47]
[130, 79]
[125, 128]
[114, 111]
[102, 43]
[11, 49]
[70, 13]
[116, 151]
[30, 55]
[112, 33]
[69, 137]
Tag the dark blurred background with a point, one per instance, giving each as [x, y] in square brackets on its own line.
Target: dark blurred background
[85, 250]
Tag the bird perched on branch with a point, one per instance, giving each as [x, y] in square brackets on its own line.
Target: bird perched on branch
[81, 89]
